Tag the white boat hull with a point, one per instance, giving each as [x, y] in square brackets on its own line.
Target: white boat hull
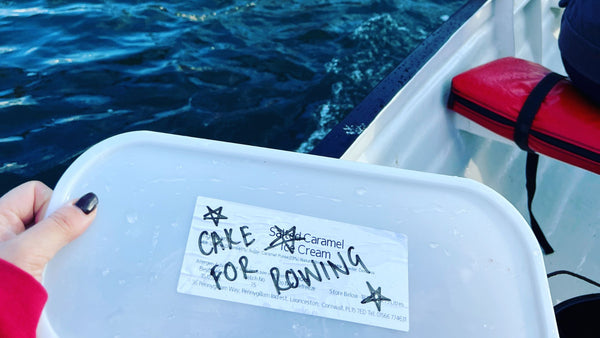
[416, 131]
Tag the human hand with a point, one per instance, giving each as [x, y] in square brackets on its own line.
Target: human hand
[29, 243]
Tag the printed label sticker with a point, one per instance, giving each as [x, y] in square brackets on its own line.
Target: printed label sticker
[286, 261]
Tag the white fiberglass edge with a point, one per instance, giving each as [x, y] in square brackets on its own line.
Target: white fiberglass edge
[416, 131]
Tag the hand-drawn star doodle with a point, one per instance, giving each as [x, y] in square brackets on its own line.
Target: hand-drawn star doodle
[285, 237]
[215, 215]
[375, 297]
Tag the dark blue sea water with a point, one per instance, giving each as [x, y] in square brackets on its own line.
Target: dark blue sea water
[273, 73]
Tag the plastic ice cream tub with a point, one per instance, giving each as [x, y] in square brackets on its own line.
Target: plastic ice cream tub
[199, 238]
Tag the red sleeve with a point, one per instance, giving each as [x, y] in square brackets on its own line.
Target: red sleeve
[22, 300]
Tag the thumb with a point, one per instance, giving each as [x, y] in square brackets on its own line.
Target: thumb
[42, 241]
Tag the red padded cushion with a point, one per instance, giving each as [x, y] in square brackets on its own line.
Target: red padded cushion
[566, 127]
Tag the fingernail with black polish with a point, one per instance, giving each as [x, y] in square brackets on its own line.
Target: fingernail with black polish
[87, 203]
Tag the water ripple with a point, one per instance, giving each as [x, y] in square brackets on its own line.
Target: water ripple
[267, 73]
[20, 101]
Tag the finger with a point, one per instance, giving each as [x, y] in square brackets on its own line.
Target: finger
[47, 237]
[20, 207]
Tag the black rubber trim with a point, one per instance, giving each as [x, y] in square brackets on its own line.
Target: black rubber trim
[337, 140]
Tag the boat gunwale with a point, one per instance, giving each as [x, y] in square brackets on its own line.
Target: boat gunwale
[337, 141]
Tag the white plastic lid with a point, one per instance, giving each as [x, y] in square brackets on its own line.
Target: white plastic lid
[474, 267]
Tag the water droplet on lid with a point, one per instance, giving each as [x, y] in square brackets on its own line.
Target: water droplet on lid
[155, 239]
[132, 217]
[361, 191]
[434, 245]
[457, 233]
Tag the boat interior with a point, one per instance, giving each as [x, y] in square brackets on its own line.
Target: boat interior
[413, 129]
